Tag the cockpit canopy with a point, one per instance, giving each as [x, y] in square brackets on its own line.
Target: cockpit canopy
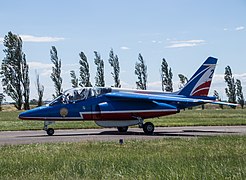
[79, 94]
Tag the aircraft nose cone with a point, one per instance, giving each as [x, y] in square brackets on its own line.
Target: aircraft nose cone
[39, 113]
[31, 114]
[23, 115]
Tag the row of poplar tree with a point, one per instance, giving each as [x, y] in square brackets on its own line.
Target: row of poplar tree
[16, 83]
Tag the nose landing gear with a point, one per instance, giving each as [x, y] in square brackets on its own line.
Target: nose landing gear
[49, 131]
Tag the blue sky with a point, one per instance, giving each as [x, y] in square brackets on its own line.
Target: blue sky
[184, 32]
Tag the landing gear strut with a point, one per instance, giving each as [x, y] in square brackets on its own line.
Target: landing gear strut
[49, 131]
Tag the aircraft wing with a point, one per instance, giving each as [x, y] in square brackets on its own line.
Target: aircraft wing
[151, 97]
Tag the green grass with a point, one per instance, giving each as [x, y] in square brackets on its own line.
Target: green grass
[208, 117]
[222, 157]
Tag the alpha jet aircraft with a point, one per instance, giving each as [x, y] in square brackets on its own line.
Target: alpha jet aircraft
[120, 108]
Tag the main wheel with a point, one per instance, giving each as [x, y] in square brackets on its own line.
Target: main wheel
[50, 131]
[122, 129]
[148, 128]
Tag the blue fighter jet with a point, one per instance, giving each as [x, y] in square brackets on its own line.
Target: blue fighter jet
[120, 108]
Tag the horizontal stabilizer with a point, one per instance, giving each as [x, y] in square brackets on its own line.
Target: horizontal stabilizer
[224, 103]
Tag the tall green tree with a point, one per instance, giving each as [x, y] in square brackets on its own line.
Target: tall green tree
[231, 86]
[25, 83]
[1, 100]
[14, 71]
[40, 90]
[166, 77]
[84, 71]
[74, 79]
[182, 80]
[56, 72]
[100, 70]
[141, 72]
[239, 92]
[114, 62]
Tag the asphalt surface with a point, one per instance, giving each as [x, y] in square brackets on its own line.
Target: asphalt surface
[77, 135]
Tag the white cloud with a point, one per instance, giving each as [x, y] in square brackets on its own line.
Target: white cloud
[124, 48]
[45, 69]
[220, 77]
[127, 85]
[239, 28]
[154, 85]
[39, 65]
[241, 77]
[186, 43]
[189, 41]
[219, 84]
[180, 45]
[30, 38]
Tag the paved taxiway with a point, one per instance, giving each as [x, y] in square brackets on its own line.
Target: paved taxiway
[28, 137]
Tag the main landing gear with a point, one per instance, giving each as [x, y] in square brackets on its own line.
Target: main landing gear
[49, 131]
[147, 127]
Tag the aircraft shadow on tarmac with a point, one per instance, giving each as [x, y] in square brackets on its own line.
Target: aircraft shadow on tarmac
[181, 133]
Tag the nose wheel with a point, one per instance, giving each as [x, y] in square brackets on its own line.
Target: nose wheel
[49, 131]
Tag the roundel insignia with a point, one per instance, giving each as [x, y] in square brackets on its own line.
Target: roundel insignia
[63, 112]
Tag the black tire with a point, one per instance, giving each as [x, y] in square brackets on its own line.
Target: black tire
[122, 129]
[50, 131]
[148, 128]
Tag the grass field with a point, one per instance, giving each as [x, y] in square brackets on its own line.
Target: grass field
[208, 117]
[222, 157]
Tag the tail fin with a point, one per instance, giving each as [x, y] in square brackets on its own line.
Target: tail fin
[200, 82]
